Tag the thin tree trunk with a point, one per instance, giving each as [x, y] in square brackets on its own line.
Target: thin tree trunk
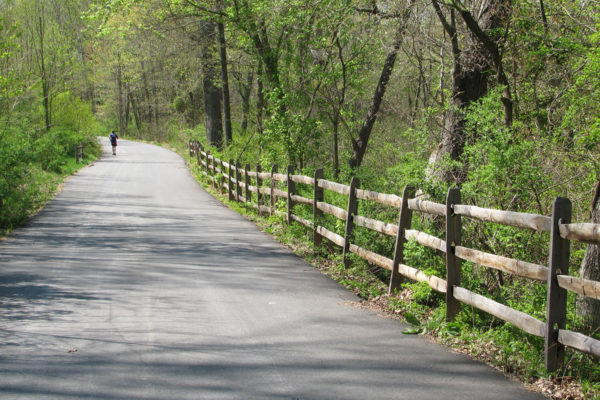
[245, 92]
[120, 97]
[336, 157]
[136, 115]
[194, 111]
[359, 146]
[127, 108]
[337, 116]
[44, 72]
[148, 101]
[260, 106]
[225, 81]
[544, 18]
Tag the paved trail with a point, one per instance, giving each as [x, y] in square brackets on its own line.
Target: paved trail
[136, 284]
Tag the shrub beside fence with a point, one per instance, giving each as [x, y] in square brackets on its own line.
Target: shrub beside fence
[249, 187]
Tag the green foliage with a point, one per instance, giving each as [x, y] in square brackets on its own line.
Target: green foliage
[34, 161]
[9, 79]
[503, 166]
[72, 113]
[581, 123]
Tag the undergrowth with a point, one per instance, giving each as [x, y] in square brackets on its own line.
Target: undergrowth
[36, 187]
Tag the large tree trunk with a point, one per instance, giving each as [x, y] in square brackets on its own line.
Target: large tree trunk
[470, 73]
[213, 95]
[589, 308]
[493, 14]
[468, 85]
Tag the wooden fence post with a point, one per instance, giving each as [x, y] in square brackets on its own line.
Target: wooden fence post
[199, 155]
[317, 214]
[208, 165]
[76, 154]
[230, 181]
[291, 190]
[222, 180]
[211, 167]
[404, 222]
[214, 172]
[453, 263]
[352, 210]
[238, 188]
[273, 185]
[259, 197]
[556, 306]
[247, 192]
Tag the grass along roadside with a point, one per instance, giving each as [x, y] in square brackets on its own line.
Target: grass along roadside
[499, 345]
[38, 187]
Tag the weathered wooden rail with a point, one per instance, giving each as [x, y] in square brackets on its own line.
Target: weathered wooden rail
[250, 187]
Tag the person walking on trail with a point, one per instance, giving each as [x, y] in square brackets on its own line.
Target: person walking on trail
[113, 141]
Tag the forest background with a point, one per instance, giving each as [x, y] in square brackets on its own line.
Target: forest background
[498, 97]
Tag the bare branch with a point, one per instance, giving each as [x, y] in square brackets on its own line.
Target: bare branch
[200, 7]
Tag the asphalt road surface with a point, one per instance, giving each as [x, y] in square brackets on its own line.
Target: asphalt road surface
[134, 283]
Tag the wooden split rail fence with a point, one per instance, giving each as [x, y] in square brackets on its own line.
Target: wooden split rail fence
[245, 185]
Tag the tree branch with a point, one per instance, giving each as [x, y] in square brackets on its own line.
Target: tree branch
[205, 9]
[483, 37]
[447, 27]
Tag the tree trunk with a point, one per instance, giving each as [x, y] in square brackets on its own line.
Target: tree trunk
[589, 308]
[136, 115]
[148, 98]
[225, 81]
[120, 97]
[359, 146]
[127, 109]
[44, 73]
[193, 112]
[469, 83]
[245, 92]
[493, 15]
[260, 102]
[336, 146]
[213, 95]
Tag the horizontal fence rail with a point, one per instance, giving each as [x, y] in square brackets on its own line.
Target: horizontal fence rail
[261, 190]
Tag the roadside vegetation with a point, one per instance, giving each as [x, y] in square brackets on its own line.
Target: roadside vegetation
[34, 162]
